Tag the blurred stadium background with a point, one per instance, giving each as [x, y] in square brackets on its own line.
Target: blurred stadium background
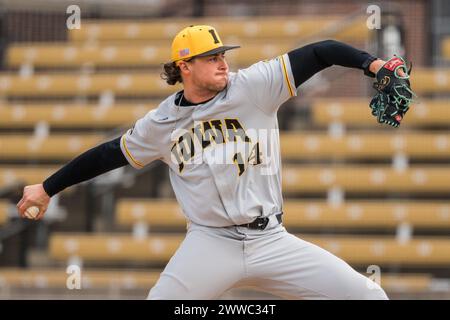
[373, 195]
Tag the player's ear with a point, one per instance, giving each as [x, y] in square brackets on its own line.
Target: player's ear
[184, 66]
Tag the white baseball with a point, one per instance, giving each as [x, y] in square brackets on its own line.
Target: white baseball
[32, 212]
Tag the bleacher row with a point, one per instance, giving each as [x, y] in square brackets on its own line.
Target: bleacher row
[36, 86]
[243, 27]
[56, 278]
[293, 145]
[348, 112]
[145, 84]
[157, 249]
[308, 179]
[166, 213]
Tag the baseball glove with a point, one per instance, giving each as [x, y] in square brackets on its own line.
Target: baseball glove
[394, 94]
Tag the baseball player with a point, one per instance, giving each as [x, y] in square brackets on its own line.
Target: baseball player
[219, 138]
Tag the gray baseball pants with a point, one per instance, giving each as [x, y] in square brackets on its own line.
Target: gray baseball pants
[211, 261]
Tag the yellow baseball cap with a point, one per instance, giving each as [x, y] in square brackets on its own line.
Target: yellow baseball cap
[197, 41]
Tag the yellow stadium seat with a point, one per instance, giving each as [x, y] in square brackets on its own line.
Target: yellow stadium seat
[356, 112]
[138, 55]
[293, 145]
[430, 81]
[51, 85]
[365, 145]
[24, 174]
[305, 213]
[72, 115]
[357, 250]
[90, 279]
[362, 178]
[3, 212]
[406, 282]
[113, 247]
[63, 55]
[160, 212]
[246, 27]
[52, 147]
[378, 250]
[367, 214]
[446, 47]
[106, 278]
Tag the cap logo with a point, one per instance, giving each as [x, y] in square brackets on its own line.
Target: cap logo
[184, 52]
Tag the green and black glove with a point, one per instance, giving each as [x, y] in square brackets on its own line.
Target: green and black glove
[394, 94]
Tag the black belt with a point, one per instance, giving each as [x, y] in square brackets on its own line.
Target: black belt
[261, 223]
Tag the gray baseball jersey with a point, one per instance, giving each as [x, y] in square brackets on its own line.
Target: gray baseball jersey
[224, 160]
[223, 155]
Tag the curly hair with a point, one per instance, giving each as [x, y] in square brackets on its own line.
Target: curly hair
[171, 73]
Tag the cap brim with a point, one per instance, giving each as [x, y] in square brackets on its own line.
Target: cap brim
[216, 51]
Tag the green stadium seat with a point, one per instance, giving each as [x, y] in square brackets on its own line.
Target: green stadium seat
[365, 178]
[357, 250]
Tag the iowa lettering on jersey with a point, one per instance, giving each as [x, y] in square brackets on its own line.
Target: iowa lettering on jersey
[216, 132]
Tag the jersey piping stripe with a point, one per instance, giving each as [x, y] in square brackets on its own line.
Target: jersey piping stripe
[129, 154]
[286, 76]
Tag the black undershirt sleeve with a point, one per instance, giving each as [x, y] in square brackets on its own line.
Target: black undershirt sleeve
[94, 162]
[310, 59]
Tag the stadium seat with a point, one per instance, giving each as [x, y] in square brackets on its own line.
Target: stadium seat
[356, 112]
[138, 55]
[446, 47]
[62, 115]
[90, 279]
[363, 178]
[145, 84]
[124, 279]
[365, 145]
[52, 147]
[406, 282]
[113, 247]
[70, 85]
[430, 81]
[293, 145]
[420, 251]
[158, 212]
[305, 214]
[358, 250]
[3, 212]
[244, 27]
[367, 214]
[24, 174]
